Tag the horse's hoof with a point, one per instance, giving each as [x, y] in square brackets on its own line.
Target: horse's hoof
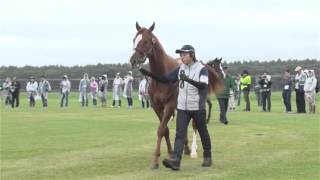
[155, 167]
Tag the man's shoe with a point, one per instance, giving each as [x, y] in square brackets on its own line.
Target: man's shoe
[172, 164]
[207, 162]
[226, 122]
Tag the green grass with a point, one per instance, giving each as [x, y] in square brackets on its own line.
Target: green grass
[97, 143]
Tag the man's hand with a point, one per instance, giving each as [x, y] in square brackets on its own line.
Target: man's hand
[183, 77]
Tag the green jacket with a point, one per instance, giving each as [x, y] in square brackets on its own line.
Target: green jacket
[228, 84]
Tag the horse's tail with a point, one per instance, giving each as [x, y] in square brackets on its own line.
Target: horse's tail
[215, 83]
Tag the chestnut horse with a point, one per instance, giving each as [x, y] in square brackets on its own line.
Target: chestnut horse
[163, 96]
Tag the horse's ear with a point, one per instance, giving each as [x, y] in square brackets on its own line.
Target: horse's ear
[138, 26]
[220, 59]
[151, 27]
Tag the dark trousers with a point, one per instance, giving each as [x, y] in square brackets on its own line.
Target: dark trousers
[246, 98]
[223, 104]
[143, 102]
[114, 103]
[259, 97]
[8, 101]
[44, 101]
[65, 97]
[129, 101]
[15, 100]
[266, 100]
[84, 101]
[182, 122]
[301, 104]
[286, 95]
[32, 101]
[94, 102]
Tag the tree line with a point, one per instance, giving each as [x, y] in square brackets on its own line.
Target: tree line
[275, 68]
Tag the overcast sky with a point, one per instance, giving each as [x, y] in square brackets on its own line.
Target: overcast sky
[76, 32]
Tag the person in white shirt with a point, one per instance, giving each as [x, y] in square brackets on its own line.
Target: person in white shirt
[310, 91]
[31, 88]
[7, 93]
[44, 89]
[117, 83]
[65, 87]
[84, 90]
[143, 92]
[94, 90]
[127, 92]
[300, 78]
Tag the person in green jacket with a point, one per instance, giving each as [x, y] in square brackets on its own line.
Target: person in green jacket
[223, 97]
[245, 84]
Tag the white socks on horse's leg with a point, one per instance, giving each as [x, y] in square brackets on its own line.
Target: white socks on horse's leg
[194, 153]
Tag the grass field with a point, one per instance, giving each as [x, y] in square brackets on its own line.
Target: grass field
[106, 143]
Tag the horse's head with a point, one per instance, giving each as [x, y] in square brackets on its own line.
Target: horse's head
[216, 65]
[143, 44]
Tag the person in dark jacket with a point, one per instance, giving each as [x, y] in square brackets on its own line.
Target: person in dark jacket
[286, 90]
[265, 84]
[223, 97]
[16, 92]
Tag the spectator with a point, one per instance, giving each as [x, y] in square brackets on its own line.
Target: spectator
[286, 90]
[310, 91]
[265, 83]
[299, 87]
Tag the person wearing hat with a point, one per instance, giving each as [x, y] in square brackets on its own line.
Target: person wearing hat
[143, 92]
[31, 88]
[84, 89]
[15, 93]
[310, 91]
[44, 89]
[127, 92]
[94, 90]
[223, 96]
[65, 87]
[117, 83]
[300, 79]
[245, 84]
[103, 88]
[7, 94]
[193, 89]
[286, 90]
[265, 84]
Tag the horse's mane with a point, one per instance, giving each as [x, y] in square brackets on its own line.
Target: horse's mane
[215, 83]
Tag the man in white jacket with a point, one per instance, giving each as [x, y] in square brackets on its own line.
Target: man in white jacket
[310, 91]
[127, 92]
[31, 88]
[65, 87]
[117, 83]
[44, 89]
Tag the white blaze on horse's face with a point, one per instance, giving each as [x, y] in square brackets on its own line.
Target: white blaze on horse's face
[224, 75]
[137, 40]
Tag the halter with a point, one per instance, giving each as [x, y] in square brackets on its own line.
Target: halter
[145, 54]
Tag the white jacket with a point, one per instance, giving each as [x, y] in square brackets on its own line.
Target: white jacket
[310, 85]
[32, 87]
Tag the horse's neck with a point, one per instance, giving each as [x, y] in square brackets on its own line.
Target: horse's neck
[160, 63]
